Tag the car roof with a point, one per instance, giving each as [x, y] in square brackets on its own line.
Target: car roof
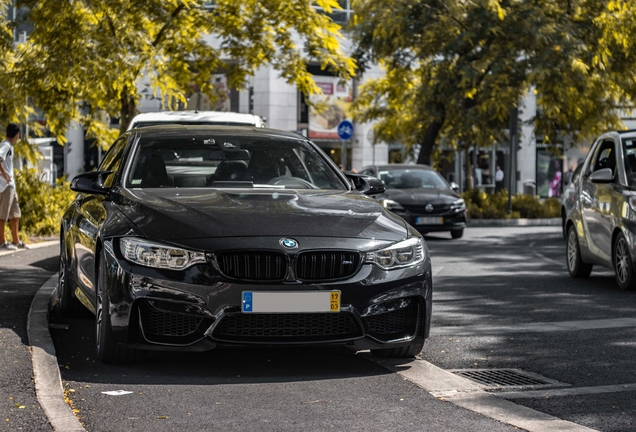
[402, 166]
[180, 130]
[197, 117]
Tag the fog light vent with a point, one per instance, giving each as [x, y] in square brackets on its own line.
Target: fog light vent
[507, 378]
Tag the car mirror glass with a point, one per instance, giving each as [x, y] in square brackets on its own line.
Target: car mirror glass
[604, 175]
[368, 185]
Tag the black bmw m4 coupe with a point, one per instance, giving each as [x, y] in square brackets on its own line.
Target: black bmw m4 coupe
[191, 237]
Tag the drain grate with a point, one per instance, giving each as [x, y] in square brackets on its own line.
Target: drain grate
[506, 378]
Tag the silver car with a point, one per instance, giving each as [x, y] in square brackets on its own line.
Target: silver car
[601, 227]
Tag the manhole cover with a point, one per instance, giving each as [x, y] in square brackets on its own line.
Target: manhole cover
[507, 378]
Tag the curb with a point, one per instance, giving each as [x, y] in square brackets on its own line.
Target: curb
[513, 222]
[46, 372]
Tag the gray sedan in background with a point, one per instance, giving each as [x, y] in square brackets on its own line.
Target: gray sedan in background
[601, 226]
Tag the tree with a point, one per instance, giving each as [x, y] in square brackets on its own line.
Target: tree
[455, 68]
[12, 104]
[85, 58]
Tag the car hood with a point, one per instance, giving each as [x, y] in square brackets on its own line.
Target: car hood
[421, 196]
[174, 214]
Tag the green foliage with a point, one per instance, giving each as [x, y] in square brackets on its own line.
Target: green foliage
[455, 68]
[42, 205]
[531, 207]
[85, 59]
[480, 205]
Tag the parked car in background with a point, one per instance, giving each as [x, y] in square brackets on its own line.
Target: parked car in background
[421, 196]
[601, 227]
[190, 237]
[569, 196]
[216, 118]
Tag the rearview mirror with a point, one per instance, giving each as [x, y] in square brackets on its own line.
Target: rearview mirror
[220, 155]
[91, 182]
[368, 185]
[454, 186]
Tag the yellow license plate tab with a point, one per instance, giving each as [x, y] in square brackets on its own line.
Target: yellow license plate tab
[290, 302]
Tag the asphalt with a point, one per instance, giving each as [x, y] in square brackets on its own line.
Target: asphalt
[35, 398]
[22, 273]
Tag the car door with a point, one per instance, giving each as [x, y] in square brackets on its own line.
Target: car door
[90, 215]
[596, 200]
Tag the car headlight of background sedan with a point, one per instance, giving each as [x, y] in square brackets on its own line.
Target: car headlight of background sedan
[392, 205]
[403, 254]
[458, 205]
[151, 254]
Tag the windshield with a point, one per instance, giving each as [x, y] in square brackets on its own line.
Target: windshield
[230, 161]
[405, 178]
[629, 150]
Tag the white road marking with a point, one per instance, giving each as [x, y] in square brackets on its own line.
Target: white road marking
[436, 270]
[538, 327]
[462, 392]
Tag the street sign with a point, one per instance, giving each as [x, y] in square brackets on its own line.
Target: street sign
[345, 129]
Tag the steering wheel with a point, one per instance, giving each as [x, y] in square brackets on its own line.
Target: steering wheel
[292, 182]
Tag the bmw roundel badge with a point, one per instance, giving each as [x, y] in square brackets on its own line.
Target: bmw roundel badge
[289, 243]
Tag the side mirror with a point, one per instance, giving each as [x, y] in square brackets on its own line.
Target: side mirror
[368, 185]
[454, 186]
[91, 182]
[604, 175]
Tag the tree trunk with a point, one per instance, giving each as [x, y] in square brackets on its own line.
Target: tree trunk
[127, 112]
[428, 142]
[469, 170]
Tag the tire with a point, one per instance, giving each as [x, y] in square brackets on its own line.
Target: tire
[457, 234]
[576, 267]
[565, 232]
[68, 304]
[623, 265]
[107, 349]
[401, 352]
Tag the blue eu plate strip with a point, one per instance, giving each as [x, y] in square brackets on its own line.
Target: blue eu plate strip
[247, 301]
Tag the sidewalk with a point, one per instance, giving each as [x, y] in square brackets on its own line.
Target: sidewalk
[512, 222]
[38, 245]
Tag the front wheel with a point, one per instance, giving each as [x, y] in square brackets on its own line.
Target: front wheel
[106, 347]
[576, 267]
[623, 266]
[457, 234]
[67, 302]
[563, 222]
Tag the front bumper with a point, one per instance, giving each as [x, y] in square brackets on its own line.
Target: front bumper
[199, 309]
[448, 221]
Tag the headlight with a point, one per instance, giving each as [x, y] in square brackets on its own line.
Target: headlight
[458, 205]
[150, 254]
[402, 254]
[392, 205]
[632, 202]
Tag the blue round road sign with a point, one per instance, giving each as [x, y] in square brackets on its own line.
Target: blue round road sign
[345, 129]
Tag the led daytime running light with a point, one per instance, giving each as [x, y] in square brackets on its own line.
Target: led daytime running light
[156, 255]
[402, 254]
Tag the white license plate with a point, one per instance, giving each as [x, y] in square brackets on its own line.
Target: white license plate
[420, 220]
[286, 302]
